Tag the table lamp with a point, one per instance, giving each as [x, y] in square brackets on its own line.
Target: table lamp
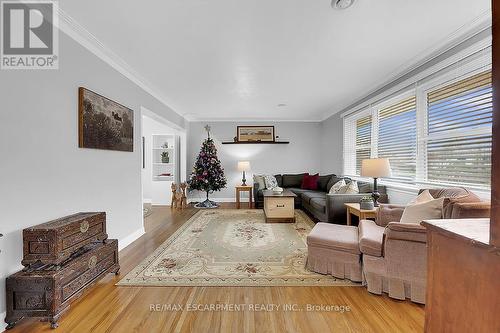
[376, 168]
[243, 166]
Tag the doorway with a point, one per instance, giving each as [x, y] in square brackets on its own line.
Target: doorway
[163, 162]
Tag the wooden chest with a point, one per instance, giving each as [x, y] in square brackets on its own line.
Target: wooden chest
[48, 290]
[279, 209]
[55, 241]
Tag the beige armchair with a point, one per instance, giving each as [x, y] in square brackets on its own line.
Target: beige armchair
[394, 254]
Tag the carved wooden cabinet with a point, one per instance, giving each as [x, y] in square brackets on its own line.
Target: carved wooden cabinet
[63, 259]
[55, 241]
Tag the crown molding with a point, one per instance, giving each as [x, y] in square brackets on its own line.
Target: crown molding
[481, 23]
[251, 120]
[81, 35]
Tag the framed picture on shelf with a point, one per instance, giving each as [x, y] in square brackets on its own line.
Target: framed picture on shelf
[103, 123]
[255, 133]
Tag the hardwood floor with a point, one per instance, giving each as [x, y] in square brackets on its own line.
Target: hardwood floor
[107, 308]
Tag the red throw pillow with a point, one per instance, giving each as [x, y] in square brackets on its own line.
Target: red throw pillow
[310, 182]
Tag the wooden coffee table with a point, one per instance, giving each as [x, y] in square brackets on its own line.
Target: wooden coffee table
[363, 214]
[279, 207]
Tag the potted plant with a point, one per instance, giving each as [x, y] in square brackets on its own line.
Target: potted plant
[366, 203]
[165, 158]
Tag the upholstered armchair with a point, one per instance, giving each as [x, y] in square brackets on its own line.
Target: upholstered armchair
[395, 254]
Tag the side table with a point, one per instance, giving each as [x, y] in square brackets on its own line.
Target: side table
[362, 214]
[243, 188]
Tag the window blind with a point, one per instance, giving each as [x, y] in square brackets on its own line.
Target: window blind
[397, 137]
[363, 140]
[459, 132]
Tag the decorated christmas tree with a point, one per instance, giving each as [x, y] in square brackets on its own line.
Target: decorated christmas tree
[208, 174]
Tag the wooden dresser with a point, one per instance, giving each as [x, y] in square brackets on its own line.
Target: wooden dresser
[463, 279]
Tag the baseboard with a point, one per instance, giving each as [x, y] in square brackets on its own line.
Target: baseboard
[126, 241]
[3, 325]
[147, 201]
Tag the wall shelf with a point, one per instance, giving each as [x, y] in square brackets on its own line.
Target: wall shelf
[159, 167]
[256, 143]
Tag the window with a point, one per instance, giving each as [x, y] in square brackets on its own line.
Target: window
[459, 132]
[438, 132]
[397, 137]
[363, 140]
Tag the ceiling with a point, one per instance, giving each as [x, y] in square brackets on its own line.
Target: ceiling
[234, 59]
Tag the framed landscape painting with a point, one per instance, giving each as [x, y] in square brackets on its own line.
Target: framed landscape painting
[255, 133]
[103, 123]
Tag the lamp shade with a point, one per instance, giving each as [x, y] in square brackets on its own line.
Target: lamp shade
[244, 166]
[376, 168]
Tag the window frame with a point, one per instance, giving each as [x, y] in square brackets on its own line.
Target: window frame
[458, 71]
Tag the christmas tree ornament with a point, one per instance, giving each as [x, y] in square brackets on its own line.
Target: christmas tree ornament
[207, 174]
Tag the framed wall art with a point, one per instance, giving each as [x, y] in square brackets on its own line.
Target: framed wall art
[103, 123]
[255, 134]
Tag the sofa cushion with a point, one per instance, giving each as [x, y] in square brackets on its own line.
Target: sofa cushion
[323, 182]
[270, 181]
[307, 196]
[350, 188]
[297, 191]
[333, 236]
[310, 182]
[370, 238]
[259, 180]
[334, 180]
[337, 186]
[429, 210]
[293, 180]
[319, 204]
[279, 179]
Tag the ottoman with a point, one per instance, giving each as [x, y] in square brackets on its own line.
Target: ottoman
[333, 249]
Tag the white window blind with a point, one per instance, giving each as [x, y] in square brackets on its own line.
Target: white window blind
[438, 131]
[459, 132]
[363, 140]
[397, 137]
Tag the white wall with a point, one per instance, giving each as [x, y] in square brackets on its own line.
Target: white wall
[43, 173]
[332, 142]
[303, 154]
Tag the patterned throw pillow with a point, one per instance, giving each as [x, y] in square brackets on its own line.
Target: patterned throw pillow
[270, 181]
[351, 188]
[259, 179]
[337, 186]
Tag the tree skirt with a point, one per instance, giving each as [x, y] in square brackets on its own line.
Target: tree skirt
[230, 247]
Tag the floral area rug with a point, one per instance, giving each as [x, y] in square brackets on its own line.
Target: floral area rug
[231, 247]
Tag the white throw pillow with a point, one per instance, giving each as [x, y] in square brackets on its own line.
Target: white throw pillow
[270, 181]
[430, 210]
[337, 186]
[425, 196]
[351, 188]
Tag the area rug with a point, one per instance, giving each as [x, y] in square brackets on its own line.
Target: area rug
[232, 247]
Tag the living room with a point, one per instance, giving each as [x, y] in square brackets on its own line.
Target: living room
[280, 166]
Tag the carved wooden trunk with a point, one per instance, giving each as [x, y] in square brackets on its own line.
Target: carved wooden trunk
[55, 241]
[47, 291]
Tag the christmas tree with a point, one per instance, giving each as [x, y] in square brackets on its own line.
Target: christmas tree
[208, 174]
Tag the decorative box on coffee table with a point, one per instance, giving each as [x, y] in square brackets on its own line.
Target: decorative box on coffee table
[279, 207]
[66, 257]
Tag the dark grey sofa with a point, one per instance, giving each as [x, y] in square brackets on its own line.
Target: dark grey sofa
[325, 207]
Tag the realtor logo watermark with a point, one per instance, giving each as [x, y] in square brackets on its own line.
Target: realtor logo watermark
[30, 35]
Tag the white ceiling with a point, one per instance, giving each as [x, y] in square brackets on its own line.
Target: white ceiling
[234, 59]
